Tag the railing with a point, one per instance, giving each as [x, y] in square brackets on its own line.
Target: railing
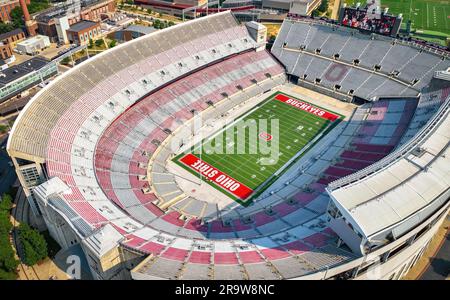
[444, 75]
[417, 140]
[417, 43]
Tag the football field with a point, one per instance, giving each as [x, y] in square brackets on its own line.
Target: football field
[433, 15]
[242, 158]
[424, 14]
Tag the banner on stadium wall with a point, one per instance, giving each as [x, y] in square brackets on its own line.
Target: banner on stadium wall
[307, 107]
[216, 176]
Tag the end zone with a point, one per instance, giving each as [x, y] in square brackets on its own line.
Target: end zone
[216, 176]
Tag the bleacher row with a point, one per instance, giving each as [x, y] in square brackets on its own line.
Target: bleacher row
[353, 63]
[98, 125]
[393, 196]
[288, 229]
[165, 54]
[292, 228]
[72, 140]
[75, 169]
[292, 212]
[143, 127]
[432, 98]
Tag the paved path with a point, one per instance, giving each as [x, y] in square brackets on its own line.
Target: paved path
[439, 267]
[335, 9]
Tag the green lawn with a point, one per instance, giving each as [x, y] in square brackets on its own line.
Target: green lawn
[251, 166]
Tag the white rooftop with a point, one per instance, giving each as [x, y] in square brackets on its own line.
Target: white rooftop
[400, 191]
[103, 240]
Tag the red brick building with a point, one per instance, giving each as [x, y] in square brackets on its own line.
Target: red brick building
[5, 8]
[46, 23]
[80, 33]
[8, 41]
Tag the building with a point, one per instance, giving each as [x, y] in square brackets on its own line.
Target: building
[131, 32]
[8, 42]
[89, 10]
[303, 7]
[13, 37]
[23, 76]
[257, 31]
[33, 44]
[97, 10]
[5, 8]
[175, 7]
[5, 51]
[62, 25]
[80, 33]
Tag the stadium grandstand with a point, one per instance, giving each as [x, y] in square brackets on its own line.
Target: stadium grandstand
[94, 153]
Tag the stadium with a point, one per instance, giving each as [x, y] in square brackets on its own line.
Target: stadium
[122, 154]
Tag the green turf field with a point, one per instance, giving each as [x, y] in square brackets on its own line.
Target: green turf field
[425, 14]
[296, 128]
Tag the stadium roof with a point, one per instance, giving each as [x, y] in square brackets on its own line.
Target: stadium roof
[387, 199]
[103, 240]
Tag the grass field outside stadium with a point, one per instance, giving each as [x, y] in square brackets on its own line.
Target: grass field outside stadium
[253, 150]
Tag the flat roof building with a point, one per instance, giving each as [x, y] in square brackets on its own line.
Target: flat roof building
[21, 77]
[34, 44]
[80, 33]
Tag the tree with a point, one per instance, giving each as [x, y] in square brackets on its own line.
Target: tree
[8, 262]
[112, 43]
[7, 275]
[6, 27]
[99, 42]
[3, 128]
[157, 24]
[149, 11]
[91, 43]
[16, 16]
[6, 202]
[171, 23]
[5, 223]
[323, 7]
[65, 61]
[33, 244]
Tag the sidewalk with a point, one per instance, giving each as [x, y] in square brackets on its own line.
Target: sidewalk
[436, 243]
